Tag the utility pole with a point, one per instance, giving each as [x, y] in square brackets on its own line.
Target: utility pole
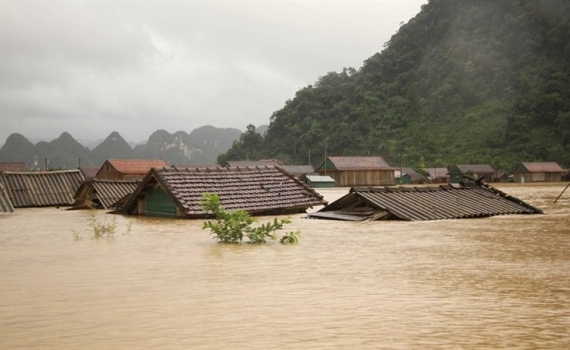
[326, 144]
[401, 169]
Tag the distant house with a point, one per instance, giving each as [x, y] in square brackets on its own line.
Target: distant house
[357, 171]
[14, 166]
[251, 163]
[5, 204]
[102, 194]
[450, 201]
[408, 176]
[457, 172]
[539, 172]
[295, 170]
[173, 192]
[89, 172]
[41, 189]
[128, 169]
[299, 170]
[317, 181]
[437, 175]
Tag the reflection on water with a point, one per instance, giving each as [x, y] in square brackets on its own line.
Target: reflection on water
[500, 282]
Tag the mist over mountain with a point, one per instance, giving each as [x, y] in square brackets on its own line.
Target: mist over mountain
[464, 81]
[201, 146]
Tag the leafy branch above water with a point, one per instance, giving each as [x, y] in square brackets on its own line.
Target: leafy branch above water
[232, 226]
[101, 228]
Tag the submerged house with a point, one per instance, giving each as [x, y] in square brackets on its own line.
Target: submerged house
[5, 204]
[173, 192]
[317, 181]
[41, 189]
[102, 194]
[457, 172]
[469, 200]
[89, 172]
[539, 172]
[437, 175]
[128, 169]
[299, 170]
[357, 171]
[408, 176]
[14, 166]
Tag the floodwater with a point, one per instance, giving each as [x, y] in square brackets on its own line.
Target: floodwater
[491, 283]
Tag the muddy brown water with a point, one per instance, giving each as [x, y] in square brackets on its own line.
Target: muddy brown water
[491, 283]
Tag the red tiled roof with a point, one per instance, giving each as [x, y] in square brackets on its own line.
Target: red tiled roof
[254, 189]
[14, 166]
[136, 166]
[543, 167]
[360, 163]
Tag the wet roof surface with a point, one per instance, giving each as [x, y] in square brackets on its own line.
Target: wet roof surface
[254, 189]
[425, 203]
[41, 189]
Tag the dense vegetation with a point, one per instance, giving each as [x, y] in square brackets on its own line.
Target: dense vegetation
[465, 81]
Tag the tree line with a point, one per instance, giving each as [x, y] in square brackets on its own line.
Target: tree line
[463, 82]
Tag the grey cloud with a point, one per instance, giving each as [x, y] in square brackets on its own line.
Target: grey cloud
[90, 68]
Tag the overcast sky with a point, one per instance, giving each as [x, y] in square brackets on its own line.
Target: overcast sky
[93, 67]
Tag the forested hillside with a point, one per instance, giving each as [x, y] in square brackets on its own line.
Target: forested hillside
[465, 81]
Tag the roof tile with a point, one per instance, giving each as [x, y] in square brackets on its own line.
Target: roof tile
[360, 163]
[254, 189]
[136, 166]
[546, 167]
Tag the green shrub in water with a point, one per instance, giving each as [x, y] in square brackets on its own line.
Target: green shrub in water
[101, 229]
[232, 226]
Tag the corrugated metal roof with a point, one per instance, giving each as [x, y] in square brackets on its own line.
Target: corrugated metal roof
[5, 204]
[136, 166]
[254, 189]
[14, 166]
[41, 189]
[543, 167]
[106, 192]
[426, 203]
[360, 163]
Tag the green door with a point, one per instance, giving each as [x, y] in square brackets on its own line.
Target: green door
[159, 203]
